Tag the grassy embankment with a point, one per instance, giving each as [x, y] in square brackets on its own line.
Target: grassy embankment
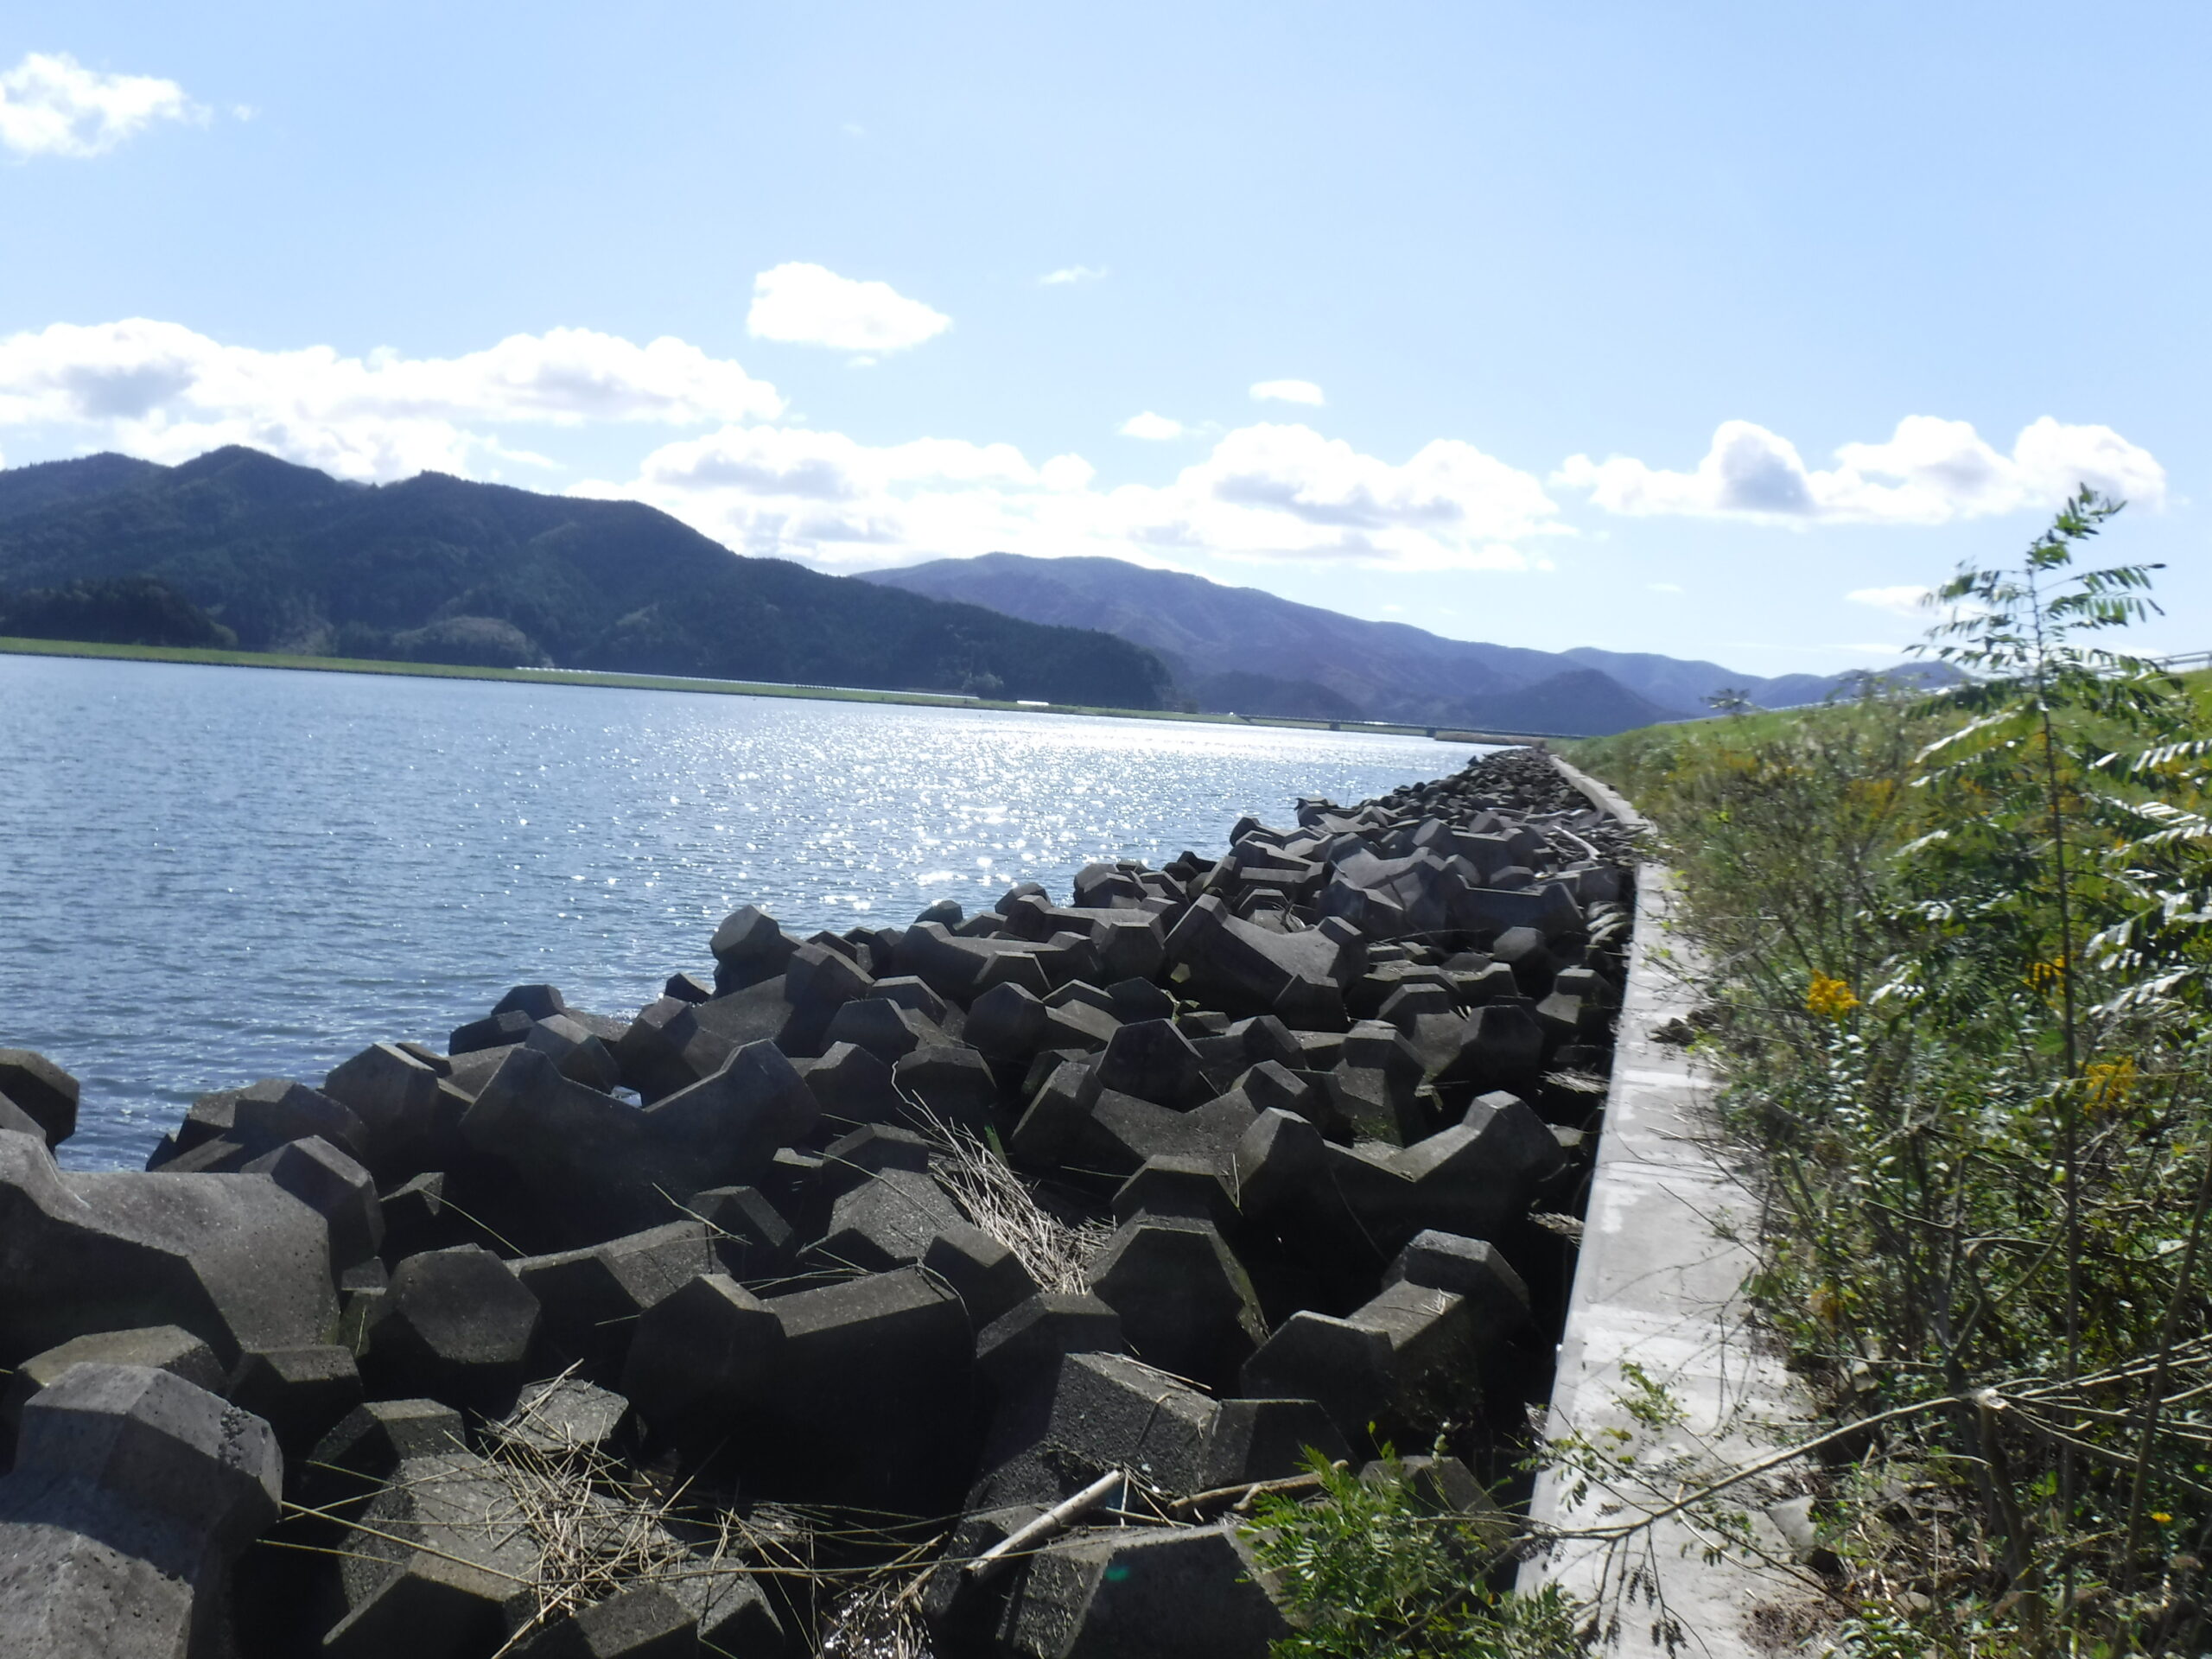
[676, 682]
[1957, 1002]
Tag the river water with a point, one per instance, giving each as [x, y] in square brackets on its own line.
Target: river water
[209, 875]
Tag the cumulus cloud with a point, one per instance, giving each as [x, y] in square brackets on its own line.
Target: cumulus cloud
[1929, 472]
[1907, 601]
[1157, 428]
[1288, 391]
[1266, 493]
[1066, 276]
[51, 104]
[810, 305]
[162, 391]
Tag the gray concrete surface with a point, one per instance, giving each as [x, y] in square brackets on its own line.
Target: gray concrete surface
[1659, 1284]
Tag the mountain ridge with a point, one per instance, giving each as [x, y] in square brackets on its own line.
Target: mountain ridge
[439, 568]
[1221, 641]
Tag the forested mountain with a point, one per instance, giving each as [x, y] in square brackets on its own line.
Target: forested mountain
[438, 568]
[1240, 648]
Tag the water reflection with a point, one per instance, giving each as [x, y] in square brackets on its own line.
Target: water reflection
[208, 875]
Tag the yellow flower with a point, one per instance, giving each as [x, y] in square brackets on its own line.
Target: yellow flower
[2162, 1518]
[2110, 1082]
[1830, 997]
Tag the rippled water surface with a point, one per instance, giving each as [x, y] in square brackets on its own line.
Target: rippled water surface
[209, 875]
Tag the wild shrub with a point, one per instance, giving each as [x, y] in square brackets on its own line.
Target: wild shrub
[1959, 947]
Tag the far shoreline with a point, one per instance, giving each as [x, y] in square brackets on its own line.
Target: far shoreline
[194, 656]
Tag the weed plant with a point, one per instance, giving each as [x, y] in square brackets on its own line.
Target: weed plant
[1959, 945]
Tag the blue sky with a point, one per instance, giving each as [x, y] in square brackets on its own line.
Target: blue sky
[1653, 326]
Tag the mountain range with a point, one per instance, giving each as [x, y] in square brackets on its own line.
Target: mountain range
[438, 568]
[237, 544]
[1244, 650]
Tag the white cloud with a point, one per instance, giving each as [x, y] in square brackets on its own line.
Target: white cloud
[162, 391]
[1929, 472]
[1157, 428]
[1907, 601]
[51, 104]
[1288, 391]
[1266, 493]
[1067, 275]
[809, 305]
[1664, 587]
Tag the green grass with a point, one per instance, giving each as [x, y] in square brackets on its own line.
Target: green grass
[676, 682]
[1640, 759]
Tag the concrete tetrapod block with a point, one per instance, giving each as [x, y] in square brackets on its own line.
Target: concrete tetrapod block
[1121, 1132]
[1186, 1305]
[1432, 1340]
[580, 1055]
[733, 1121]
[877, 1377]
[1483, 1171]
[1348, 1368]
[885, 1028]
[852, 1086]
[642, 1622]
[1153, 1061]
[298, 1392]
[15, 1121]
[1502, 1048]
[1497, 1301]
[396, 1096]
[1176, 1187]
[1101, 1412]
[884, 1222]
[688, 988]
[952, 1084]
[700, 1356]
[1266, 1439]
[351, 1461]
[416, 1217]
[748, 947]
[988, 1278]
[133, 1492]
[41, 1091]
[851, 1159]
[1027, 1342]
[162, 1347]
[733, 1616]
[1057, 1115]
[589, 1300]
[962, 970]
[1281, 1156]
[439, 1570]
[1007, 1019]
[1250, 970]
[233, 1259]
[493, 1031]
[748, 1235]
[335, 1188]
[564, 1416]
[1183, 1593]
[909, 992]
[456, 1324]
[277, 1110]
[587, 1158]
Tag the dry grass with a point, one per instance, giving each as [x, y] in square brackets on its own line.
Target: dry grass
[1057, 1253]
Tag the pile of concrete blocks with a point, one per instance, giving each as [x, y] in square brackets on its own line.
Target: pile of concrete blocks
[1207, 1168]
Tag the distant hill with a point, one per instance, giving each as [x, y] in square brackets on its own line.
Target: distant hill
[437, 568]
[1242, 649]
[52, 483]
